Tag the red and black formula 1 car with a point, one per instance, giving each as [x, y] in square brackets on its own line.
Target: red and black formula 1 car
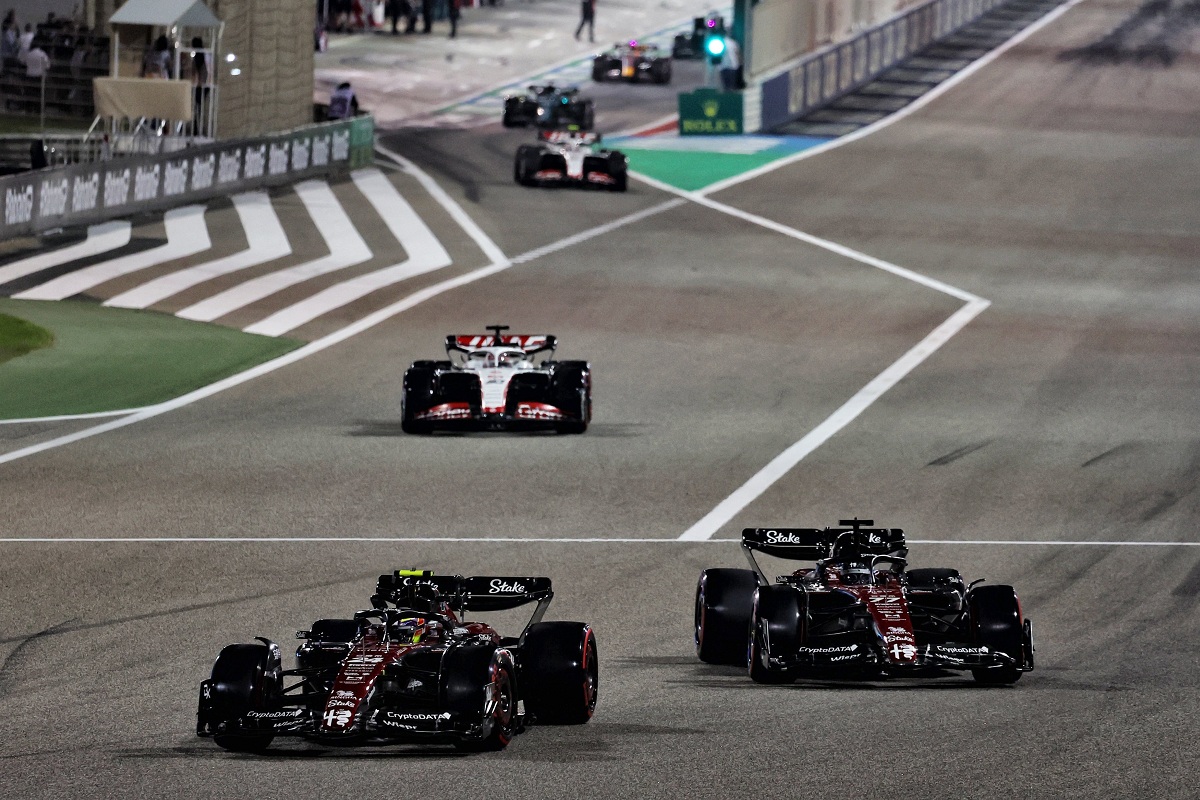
[497, 381]
[630, 61]
[570, 158]
[409, 670]
[859, 614]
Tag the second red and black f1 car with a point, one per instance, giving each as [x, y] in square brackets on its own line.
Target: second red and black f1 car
[631, 61]
[570, 158]
[860, 613]
[498, 381]
[411, 669]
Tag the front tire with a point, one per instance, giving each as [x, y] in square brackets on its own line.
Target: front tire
[244, 679]
[996, 622]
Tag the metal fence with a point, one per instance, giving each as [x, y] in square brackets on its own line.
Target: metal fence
[822, 77]
[85, 193]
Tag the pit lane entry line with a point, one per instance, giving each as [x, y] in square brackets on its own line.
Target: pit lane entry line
[187, 234]
[100, 239]
[265, 240]
[783, 463]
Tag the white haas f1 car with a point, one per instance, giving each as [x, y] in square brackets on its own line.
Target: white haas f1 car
[570, 158]
[630, 61]
[860, 613]
[496, 382]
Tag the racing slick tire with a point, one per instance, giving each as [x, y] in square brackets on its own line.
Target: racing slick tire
[599, 68]
[777, 620]
[571, 388]
[525, 165]
[561, 670]
[417, 393]
[587, 116]
[661, 72]
[481, 683]
[996, 622]
[724, 606]
[510, 118]
[244, 678]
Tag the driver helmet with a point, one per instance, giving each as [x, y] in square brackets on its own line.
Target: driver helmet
[857, 573]
[408, 630]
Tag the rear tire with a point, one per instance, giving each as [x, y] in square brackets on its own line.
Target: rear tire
[561, 672]
[996, 622]
[724, 605]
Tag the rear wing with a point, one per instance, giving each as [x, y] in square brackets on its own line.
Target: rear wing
[569, 135]
[530, 343]
[404, 587]
[856, 539]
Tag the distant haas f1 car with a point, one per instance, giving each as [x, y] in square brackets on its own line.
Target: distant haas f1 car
[858, 614]
[570, 158]
[496, 382]
[409, 670]
[630, 61]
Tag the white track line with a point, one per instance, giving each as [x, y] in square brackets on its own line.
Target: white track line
[849, 411]
[473, 230]
[186, 235]
[68, 417]
[265, 238]
[100, 239]
[425, 254]
[789, 458]
[346, 249]
[911, 108]
[514, 540]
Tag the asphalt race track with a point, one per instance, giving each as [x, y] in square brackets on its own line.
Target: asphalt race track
[1050, 442]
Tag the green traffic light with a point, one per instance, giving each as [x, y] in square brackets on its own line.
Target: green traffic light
[715, 45]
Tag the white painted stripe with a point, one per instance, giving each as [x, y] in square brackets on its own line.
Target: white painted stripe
[186, 235]
[911, 108]
[516, 540]
[370, 321]
[789, 458]
[481, 239]
[68, 417]
[346, 249]
[425, 254]
[100, 239]
[649, 126]
[265, 239]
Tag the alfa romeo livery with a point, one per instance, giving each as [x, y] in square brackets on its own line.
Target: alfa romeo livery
[410, 669]
[497, 381]
[859, 613]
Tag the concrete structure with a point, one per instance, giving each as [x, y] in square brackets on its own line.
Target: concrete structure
[268, 84]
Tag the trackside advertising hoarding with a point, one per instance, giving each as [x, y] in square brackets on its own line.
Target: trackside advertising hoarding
[82, 194]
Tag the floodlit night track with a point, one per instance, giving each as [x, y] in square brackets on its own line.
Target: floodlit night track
[1045, 438]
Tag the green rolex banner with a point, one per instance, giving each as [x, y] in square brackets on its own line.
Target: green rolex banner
[707, 112]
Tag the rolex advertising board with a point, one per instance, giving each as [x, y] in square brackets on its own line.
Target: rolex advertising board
[707, 112]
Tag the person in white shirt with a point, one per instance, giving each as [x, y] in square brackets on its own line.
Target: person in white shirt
[731, 63]
[37, 63]
[26, 43]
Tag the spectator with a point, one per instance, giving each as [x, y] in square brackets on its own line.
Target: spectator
[426, 16]
[452, 10]
[587, 16]
[158, 60]
[342, 103]
[731, 66]
[10, 41]
[26, 43]
[37, 63]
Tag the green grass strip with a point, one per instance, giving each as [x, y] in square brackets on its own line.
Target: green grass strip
[18, 337]
[106, 359]
[689, 170]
